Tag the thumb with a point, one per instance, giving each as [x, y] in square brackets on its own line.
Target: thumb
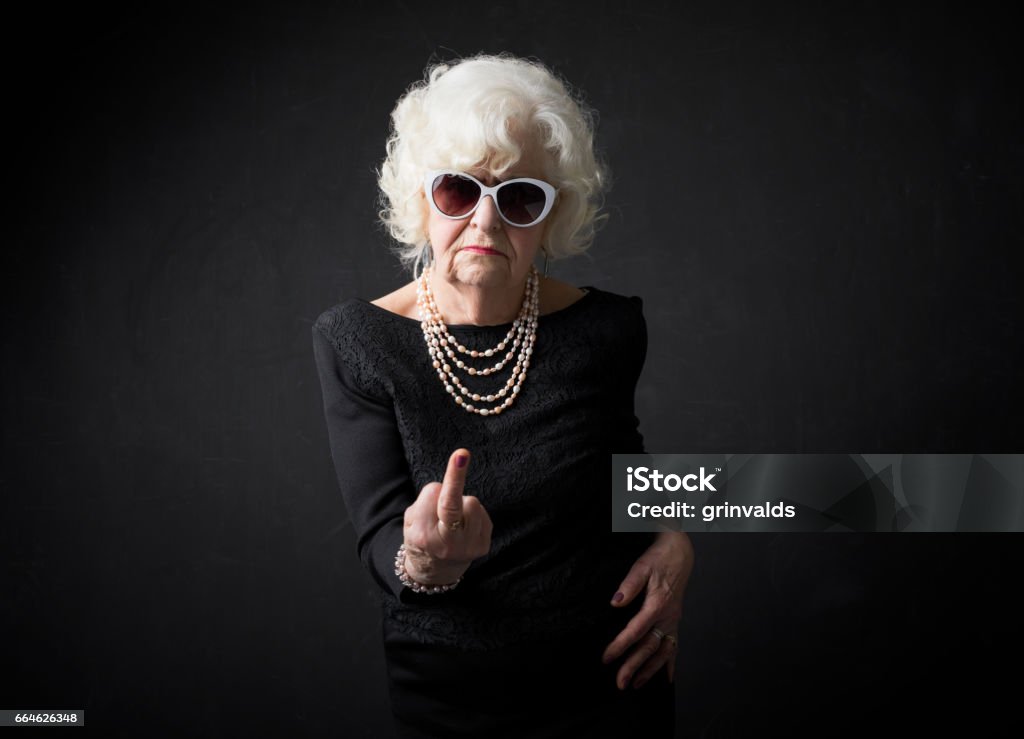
[632, 585]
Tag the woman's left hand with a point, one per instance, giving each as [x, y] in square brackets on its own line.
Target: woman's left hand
[661, 573]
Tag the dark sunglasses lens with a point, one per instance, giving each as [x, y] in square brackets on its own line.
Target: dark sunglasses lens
[454, 195]
[521, 202]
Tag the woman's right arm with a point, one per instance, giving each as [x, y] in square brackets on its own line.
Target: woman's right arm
[369, 459]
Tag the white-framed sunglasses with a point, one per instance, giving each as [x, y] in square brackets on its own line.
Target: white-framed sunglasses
[520, 202]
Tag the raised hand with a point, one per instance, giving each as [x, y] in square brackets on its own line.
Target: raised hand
[445, 530]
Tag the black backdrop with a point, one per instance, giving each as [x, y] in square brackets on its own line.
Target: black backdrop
[820, 207]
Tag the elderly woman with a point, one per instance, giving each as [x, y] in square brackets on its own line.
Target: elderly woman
[472, 416]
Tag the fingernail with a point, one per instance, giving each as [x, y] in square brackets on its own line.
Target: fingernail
[618, 596]
[460, 461]
[638, 684]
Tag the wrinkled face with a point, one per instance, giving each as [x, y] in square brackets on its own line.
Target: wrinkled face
[482, 250]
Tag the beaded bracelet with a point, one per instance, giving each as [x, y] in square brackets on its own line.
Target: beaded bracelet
[416, 587]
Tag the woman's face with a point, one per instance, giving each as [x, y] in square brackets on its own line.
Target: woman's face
[453, 241]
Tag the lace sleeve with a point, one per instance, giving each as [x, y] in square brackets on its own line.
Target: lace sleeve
[370, 463]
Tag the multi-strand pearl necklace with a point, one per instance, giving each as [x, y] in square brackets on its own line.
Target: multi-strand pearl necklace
[442, 347]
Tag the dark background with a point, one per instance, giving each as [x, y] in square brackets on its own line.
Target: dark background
[820, 205]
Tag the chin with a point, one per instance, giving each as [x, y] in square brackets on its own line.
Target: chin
[482, 276]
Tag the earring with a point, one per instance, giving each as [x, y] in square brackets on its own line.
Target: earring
[423, 261]
[544, 249]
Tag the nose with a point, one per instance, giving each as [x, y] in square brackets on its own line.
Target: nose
[486, 217]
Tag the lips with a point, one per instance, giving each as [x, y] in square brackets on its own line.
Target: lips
[477, 249]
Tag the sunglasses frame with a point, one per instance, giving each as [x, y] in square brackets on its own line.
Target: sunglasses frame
[550, 194]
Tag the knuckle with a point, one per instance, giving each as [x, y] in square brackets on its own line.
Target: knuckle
[663, 590]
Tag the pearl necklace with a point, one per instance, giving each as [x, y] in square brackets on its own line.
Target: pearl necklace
[442, 347]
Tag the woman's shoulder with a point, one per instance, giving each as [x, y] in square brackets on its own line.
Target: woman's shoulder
[562, 295]
[362, 339]
[615, 306]
[355, 314]
[351, 326]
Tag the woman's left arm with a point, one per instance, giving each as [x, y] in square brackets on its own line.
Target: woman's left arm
[661, 574]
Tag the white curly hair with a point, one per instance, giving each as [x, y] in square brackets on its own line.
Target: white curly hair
[469, 112]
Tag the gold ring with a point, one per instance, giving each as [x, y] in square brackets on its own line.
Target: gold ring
[672, 640]
[455, 525]
[658, 633]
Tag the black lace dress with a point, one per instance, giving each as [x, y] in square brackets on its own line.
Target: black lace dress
[516, 648]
